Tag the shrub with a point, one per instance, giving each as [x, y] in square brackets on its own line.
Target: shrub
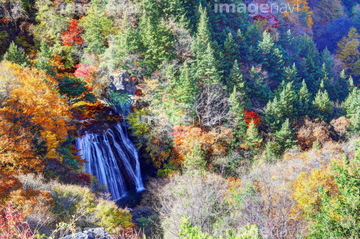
[112, 217]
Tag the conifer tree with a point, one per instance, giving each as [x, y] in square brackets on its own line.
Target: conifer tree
[252, 138]
[270, 57]
[236, 79]
[44, 58]
[290, 73]
[186, 87]
[97, 27]
[304, 100]
[322, 107]
[236, 118]
[230, 54]
[284, 139]
[258, 89]
[207, 68]
[15, 55]
[282, 107]
[203, 35]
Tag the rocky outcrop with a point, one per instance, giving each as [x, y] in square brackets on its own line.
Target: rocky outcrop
[94, 233]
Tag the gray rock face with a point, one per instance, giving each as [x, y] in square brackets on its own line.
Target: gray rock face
[94, 233]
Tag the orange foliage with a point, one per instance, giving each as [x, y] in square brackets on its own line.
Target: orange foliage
[303, 6]
[72, 36]
[33, 110]
[213, 143]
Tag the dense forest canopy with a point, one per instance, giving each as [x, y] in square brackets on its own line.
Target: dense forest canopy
[246, 116]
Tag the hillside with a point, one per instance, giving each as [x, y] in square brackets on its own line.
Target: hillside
[180, 119]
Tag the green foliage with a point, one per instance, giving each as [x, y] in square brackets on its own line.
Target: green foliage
[351, 106]
[72, 201]
[284, 139]
[304, 100]
[322, 106]
[270, 57]
[339, 213]
[112, 217]
[157, 40]
[187, 231]
[75, 90]
[121, 101]
[97, 27]
[282, 107]
[15, 55]
[43, 61]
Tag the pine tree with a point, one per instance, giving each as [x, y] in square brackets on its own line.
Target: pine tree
[290, 73]
[16, 55]
[97, 28]
[282, 107]
[252, 138]
[304, 100]
[157, 40]
[236, 79]
[186, 87]
[203, 35]
[231, 52]
[322, 107]
[207, 68]
[271, 58]
[284, 139]
[236, 117]
[258, 89]
[44, 59]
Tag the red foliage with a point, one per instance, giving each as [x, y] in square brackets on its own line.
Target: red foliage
[138, 92]
[72, 36]
[85, 71]
[251, 116]
[13, 224]
[266, 15]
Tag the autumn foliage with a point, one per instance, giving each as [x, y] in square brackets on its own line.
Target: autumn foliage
[251, 116]
[73, 35]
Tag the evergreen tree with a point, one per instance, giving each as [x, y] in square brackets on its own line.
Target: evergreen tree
[284, 139]
[185, 89]
[304, 100]
[252, 138]
[258, 89]
[97, 28]
[290, 74]
[322, 107]
[236, 79]
[236, 117]
[203, 35]
[231, 52]
[207, 68]
[282, 107]
[16, 55]
[158, 42]
[271, 58]
[44, 59]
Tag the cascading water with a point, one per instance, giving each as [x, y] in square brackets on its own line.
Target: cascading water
[112, 158]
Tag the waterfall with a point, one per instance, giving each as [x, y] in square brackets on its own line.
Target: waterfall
[112, 158]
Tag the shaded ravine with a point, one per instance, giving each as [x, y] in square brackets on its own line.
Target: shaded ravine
[112, 158]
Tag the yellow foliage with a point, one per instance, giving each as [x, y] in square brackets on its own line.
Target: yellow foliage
[32, 105]
[306, 188]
